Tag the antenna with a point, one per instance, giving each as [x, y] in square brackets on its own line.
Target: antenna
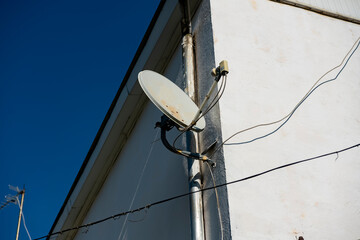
[178, 108]
[16, 189]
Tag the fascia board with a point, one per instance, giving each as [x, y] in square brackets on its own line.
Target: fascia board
[73, 209]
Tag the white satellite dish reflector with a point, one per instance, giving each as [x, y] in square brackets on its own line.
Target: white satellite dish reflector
[170, 99]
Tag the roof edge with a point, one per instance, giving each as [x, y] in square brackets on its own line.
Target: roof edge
[109, 112]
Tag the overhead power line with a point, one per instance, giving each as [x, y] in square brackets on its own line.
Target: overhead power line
[202, 190]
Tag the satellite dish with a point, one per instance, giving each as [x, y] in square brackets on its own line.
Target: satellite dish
[170, 99]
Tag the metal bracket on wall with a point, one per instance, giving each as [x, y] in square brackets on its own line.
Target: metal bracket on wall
[167, 124]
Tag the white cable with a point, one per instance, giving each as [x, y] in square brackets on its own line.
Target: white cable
[217, 202]
[23, 217]
[139, 181]
[345, 59]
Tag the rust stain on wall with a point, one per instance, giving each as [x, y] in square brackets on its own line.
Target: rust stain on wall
[281, 58]
[265, 49]
[254, 4]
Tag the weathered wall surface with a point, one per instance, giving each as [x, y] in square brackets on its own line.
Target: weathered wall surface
[276, 53]
[205, 61]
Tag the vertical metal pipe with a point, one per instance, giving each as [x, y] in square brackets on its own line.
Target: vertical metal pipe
[196, 206]
[20, 213]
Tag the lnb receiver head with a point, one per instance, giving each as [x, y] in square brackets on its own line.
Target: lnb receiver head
[221, 70]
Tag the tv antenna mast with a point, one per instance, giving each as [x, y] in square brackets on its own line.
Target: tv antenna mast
[14, 199]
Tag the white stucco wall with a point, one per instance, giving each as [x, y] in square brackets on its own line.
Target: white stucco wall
[145, 172]
[276, 53]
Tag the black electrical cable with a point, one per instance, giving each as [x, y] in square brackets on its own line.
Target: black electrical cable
[232, 182]
[211, 105]
[216, 98]
[201, 190]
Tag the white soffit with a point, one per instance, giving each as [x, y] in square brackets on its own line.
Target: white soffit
[346, 8]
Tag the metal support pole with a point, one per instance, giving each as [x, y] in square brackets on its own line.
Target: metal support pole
[196, 203]
[20, 213]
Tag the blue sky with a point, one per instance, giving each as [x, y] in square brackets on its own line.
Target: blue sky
[61, 64]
